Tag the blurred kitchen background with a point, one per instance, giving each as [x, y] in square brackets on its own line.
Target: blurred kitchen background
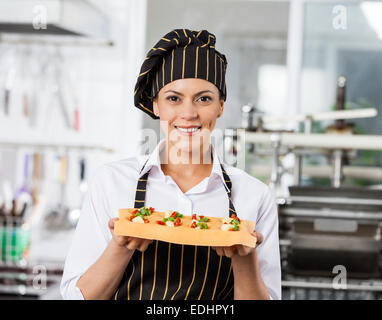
[304, 106]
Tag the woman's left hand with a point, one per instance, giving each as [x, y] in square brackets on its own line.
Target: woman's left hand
[239, 249]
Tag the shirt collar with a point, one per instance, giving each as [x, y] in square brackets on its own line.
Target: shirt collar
[154, 161]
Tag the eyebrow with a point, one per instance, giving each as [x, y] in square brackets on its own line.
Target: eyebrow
[181, 94]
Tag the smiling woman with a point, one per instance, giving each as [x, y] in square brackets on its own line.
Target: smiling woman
[182, 83]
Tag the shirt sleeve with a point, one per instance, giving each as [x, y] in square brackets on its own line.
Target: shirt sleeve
[269, 250]
[90, 237]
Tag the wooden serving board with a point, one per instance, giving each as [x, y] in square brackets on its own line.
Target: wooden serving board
[184, 234]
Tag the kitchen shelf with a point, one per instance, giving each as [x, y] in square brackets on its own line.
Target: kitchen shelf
[38, 139]
[59, 41]
[59, 145]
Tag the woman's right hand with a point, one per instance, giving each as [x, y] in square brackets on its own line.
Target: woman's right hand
[130, 243]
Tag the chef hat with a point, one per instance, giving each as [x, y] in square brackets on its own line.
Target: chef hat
[180, 54]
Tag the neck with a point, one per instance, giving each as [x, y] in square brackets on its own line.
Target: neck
[193, 163]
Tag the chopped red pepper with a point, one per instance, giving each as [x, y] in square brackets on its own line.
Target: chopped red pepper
[131, 218]
[193, 225]
[161, 222]
[146, 220]
[194, 216]
[201, 217]
[134, 211]
[177, 222]
[151, 209]
[173, 215]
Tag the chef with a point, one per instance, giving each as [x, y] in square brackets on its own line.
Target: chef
[182, 83]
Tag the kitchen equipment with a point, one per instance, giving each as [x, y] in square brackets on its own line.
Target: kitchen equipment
[9, 83]
[75, 213]
[26, 169]
[58, 217]
[333, 226]
[323, 229]
[53, 17]
[60, 90]
[14, 236]
[36, 280]
[7, 195]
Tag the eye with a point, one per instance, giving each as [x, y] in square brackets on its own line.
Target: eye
[172, 98]
[205, 99]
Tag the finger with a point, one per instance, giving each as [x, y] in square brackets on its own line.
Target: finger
[235, 249]
[219, 251]
[259, 238]
[133, 243]
[243, 250]
[111, 223]
[131, 246]
[139, 242]
[228, 252]
[144, 245]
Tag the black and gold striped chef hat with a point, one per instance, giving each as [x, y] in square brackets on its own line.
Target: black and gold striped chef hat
[180, 54]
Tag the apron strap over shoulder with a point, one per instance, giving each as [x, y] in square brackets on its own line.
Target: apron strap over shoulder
[228, 186]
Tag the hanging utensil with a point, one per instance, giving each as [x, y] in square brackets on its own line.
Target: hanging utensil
[75, 213]
[8, 88]
[83, 184]
[61, 89]
[24, 188]
[57, 218]
[39, 74]
[25, 77]
[7, 196]
[23, 195]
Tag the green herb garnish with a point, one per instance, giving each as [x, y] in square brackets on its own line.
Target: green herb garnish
[144, 211]
[235, 222]
[202, 225]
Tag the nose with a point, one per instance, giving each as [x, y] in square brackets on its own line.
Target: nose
[188, 110]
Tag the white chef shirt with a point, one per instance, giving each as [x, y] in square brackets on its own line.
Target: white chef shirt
[113, 186]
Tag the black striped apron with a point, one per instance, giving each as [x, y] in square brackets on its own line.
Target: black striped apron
[177, 272]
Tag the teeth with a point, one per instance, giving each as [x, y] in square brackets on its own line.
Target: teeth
[194, 129]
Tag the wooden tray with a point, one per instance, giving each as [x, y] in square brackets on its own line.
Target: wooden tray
[184, 234]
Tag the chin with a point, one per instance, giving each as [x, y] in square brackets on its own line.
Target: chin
[185, 147]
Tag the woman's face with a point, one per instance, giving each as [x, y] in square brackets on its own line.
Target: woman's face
[188, 109]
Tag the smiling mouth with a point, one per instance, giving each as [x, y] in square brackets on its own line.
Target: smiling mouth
[188, 130]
